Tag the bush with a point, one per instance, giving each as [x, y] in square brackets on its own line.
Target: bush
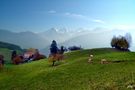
[73, 48]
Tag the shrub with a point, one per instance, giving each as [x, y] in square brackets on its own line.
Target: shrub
[73, 48]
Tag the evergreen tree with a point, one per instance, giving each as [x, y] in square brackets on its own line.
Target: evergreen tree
[53, 47]
[62, 49]
[14, 53]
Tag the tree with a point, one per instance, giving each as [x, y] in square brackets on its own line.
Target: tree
[14, 54]
[128, 38]
[114, 40]
[121, 42]
[53, 47]
[62, 49]
[53, 51]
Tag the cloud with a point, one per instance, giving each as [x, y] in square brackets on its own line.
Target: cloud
[98, 21]
[52, 11]
[83, 17]
[74, 15]
[78, 16]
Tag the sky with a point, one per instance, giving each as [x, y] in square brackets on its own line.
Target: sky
[41, 15]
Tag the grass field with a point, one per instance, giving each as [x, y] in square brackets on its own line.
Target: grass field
[73, 73]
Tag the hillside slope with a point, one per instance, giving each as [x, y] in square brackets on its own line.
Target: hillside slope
[9, 46]
[74, 73]
[6, 50]
[7, 54]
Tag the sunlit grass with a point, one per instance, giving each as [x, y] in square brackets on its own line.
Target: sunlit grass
[74, 73]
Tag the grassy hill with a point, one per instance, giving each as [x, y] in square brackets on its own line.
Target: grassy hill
[6, 50]
[7, 54]
[10, 46]
[74, 73]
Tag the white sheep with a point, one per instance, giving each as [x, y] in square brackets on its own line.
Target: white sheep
[91, 56]
[104, 61]
[130, 87]
[90, 59]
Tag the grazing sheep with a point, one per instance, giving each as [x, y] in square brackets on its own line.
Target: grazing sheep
[90, 59]
[104, 61]
[129, 87]
[91, 56]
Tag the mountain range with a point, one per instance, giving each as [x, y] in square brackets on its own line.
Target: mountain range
[98, 37]
[23, 39]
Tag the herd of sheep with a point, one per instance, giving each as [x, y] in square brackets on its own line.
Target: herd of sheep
[102, 61]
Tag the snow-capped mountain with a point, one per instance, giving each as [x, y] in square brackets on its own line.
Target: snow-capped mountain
[60, 35]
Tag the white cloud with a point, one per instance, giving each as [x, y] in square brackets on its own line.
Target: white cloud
[52, 11]
[83, 17]
[98, 21]
[78, 16]
[74, 15]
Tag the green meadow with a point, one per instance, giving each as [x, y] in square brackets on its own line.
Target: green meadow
[73, 73]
